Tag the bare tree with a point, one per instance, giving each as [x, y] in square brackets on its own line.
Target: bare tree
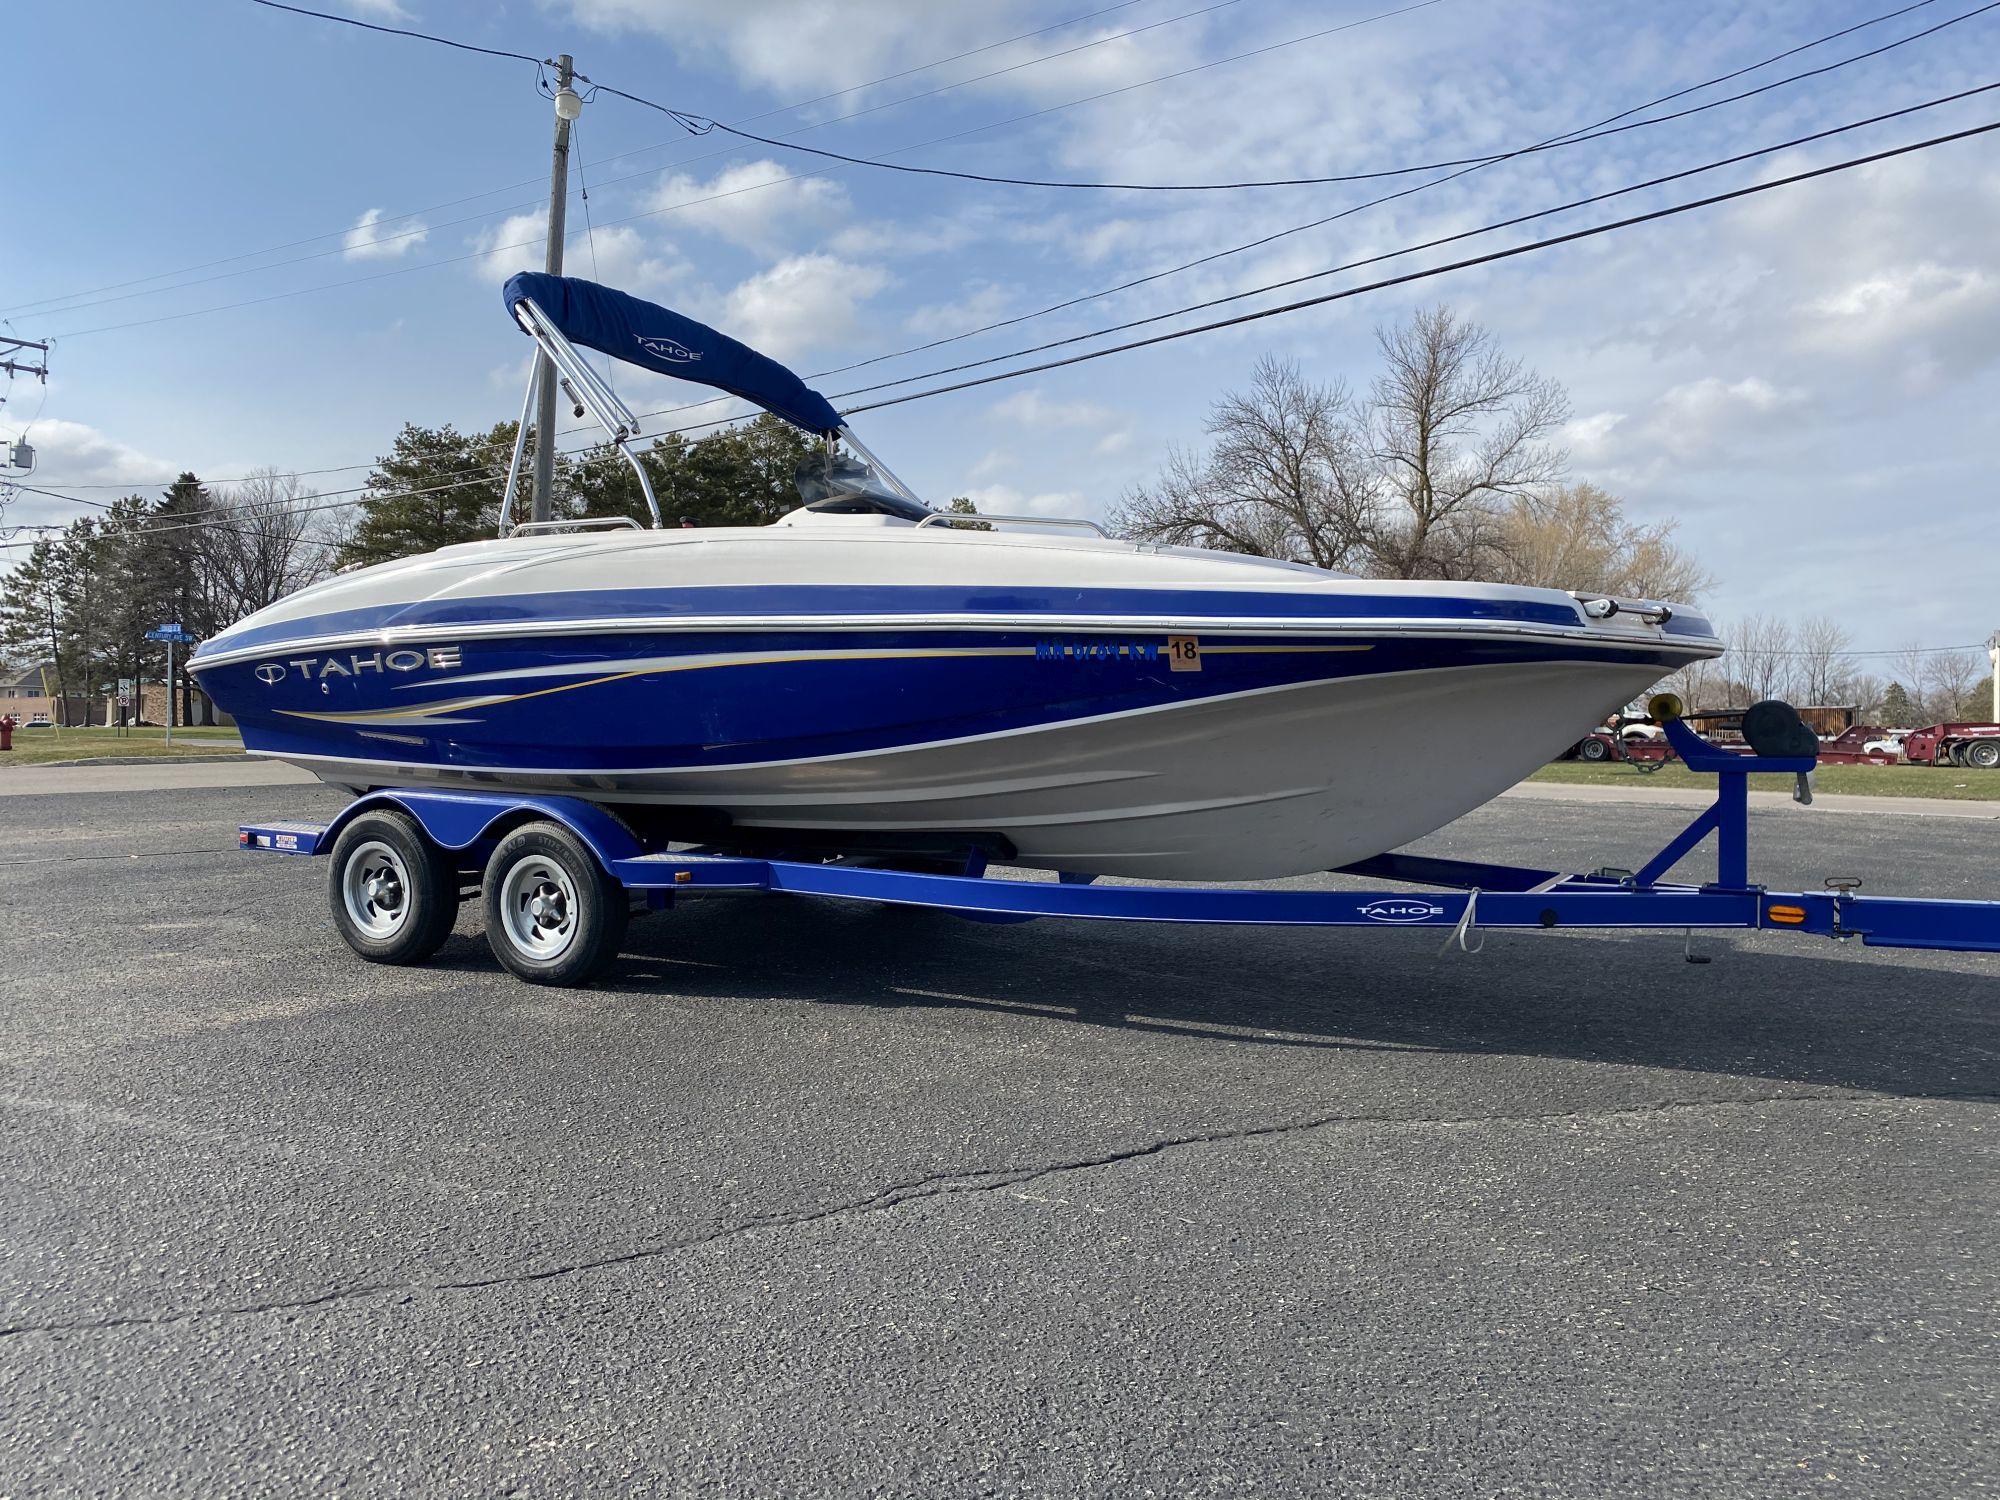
[1760, 656]
[1949, 680]
[1821, 666]
[1577, 537]
[1701, 684]
[1457, 430]
[266, 543]
[1288, 476]
[1416, 482]
[1911, 665]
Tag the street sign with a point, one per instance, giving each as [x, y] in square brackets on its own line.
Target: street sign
[127, 690]
[174, 636]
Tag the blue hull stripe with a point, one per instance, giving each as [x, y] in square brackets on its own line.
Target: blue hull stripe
[662, 700]
[837, 600]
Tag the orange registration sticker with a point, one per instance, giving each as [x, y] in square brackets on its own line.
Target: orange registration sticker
[1787, 916]
[1184, 653]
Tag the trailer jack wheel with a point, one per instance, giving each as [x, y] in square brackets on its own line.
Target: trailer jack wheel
[394, 895]
[552, 915]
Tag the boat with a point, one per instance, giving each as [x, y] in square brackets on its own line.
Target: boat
[870, 674]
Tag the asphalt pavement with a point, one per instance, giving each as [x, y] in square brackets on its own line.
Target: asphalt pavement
[826, 1200]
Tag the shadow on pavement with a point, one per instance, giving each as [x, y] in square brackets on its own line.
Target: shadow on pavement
[1768, 1006]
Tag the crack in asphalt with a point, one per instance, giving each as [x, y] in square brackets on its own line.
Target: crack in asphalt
[945, 1184]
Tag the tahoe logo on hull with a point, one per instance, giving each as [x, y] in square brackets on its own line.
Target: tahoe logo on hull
[1402, 910]
[319, 668]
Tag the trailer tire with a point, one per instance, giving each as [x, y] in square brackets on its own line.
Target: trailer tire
[553, 916]
[394, 894]
[1983, 753]
[1593, 750]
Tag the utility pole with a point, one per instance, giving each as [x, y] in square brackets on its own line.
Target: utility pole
[13, 358]
[568, 107]
[1993, 655]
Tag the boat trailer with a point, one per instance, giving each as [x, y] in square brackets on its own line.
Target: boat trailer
[559, 877]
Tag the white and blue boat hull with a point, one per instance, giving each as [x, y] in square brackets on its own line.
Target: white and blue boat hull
[1153, 733]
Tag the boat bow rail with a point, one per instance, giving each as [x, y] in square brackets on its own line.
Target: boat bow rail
[1456, 895]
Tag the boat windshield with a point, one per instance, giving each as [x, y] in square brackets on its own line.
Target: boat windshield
[845, 485]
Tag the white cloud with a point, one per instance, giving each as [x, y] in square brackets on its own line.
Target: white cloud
[1692, 419]
[621, 258]
[1697, 425]
[1590, 439]
[759, 205]
[1033, 409]
[938, 320]
[379, 10]
[808, 45]
[802, 303]
[371, 239]
[73, 453]
[1004, 499]
[1921, 302]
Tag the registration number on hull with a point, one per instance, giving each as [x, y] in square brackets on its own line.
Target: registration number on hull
[1182, 652]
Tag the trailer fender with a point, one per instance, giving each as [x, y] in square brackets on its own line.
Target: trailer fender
[470, 821]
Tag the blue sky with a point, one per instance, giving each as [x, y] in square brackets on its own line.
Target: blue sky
[1805, 380]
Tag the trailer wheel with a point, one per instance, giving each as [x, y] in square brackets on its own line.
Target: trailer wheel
[1593, 750]
[394, 895]
[553, 916]
[1983, 753]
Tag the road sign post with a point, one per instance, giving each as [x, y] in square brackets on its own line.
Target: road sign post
[174, 636]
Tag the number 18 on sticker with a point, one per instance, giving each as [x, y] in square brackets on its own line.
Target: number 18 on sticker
[1184, 653]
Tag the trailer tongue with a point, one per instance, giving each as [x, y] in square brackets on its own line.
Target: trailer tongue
[559, 877]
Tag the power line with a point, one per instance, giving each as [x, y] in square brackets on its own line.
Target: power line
[1218, 301]
[1412, 276]
[756, 187]
[688, 203]
[1670, 211]
[422, 36]
[420, 231]
[1466, 234]
[699, 125]
[69, 297]
[1348, 212]
[1214, 256]
[792, 108]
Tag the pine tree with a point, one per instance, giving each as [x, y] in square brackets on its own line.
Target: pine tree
[435, 487]
[741, 477]
[33, 627]
[1897, 710]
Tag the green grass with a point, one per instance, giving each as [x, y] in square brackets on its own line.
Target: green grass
[38, 747]
[1868, 781]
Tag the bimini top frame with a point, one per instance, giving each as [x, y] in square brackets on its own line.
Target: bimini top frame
[561, 312]
[587, 388]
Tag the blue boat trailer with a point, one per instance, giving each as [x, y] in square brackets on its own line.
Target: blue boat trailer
[559, 876]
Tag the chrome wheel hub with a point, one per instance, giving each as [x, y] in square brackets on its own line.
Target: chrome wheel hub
[375, 890]
[538, 907]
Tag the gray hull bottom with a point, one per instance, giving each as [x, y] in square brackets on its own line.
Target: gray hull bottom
[1247, 787]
